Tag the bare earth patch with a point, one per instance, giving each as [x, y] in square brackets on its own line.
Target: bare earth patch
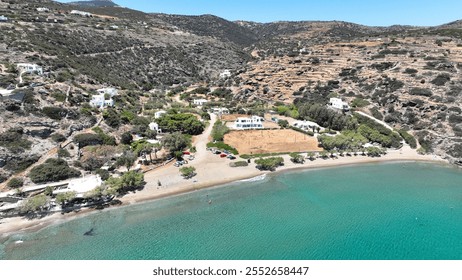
[271, 141]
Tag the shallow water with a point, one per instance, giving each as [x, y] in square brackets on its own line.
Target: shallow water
[375, 211]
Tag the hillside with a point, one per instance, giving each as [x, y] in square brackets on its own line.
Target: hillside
[94, 3]
[407, 76]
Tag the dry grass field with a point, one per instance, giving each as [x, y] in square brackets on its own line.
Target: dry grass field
[271, 141]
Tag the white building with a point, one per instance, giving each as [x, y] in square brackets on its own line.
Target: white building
[43, 10]
[159, 114]
[30, 68]
[80, 13]
[220, 111]
[337, 103]
[155, 127]
[225, 74]
[3, 18]
[99, 101]
[200, 102]
[254, 122]
[306, 125]
[114, 27]
[110, 91]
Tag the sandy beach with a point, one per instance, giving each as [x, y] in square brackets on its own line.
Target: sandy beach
[211, 171]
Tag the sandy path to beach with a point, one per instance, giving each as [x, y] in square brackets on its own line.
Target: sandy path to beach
[211, 171]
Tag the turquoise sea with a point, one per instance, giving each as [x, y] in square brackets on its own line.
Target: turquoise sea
[376, 211]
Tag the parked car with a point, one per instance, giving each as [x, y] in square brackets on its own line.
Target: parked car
[186, 153]
[223, 155]
[191, 157]
[217, 152]
[231, 157]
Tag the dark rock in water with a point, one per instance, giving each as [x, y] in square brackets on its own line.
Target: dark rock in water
[90, 232]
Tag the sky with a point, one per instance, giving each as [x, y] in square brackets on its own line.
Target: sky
[367, 12]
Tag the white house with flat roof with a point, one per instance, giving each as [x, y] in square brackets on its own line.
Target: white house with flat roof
[339, 104]
[3, 18]
[159, 114]
[225, 74]
[306, 125]
[99, 101]
[254, 122]
[155, 127]
[42, 9]
[30, 68]
[80, 13]
[200, 102]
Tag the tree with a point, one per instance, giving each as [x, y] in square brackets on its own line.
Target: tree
[15, 183]
[129, 181]
[126, 159]
[126, 138]
[175, 142]
[64, 198]
[62, 153]
[35, 203]
[296, 158]
[283, 123]
[52, 170]
[374, 151]
[48, 191]
[188, 171]
[310, 156]
[269, 163]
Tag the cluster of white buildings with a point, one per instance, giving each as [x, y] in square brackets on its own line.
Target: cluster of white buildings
[42, 10]
[80, 13]
[254, 122]
[155, 127]
[225, 74]
[339, 104]
[30, 68]
[200, 102]
[219, 111]
[103, 98]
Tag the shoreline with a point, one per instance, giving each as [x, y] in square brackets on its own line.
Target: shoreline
[178, 185]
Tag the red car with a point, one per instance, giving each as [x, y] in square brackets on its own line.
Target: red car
[186, 153]
[223, 155]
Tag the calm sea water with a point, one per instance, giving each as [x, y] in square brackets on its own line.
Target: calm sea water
[379, 211]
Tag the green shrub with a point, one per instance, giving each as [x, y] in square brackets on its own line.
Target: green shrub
[13, 140]
[52, 170]
[88, 139]
[269, 163]
[222, 146]
[103, 173]
[408, 138]
[421, 92]
[359, 103]
[188, 171]
[55, 113]
[63, 153]
[441, 79]
[58, 138]
[15, 183]
[219, 130]
[129, 181]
